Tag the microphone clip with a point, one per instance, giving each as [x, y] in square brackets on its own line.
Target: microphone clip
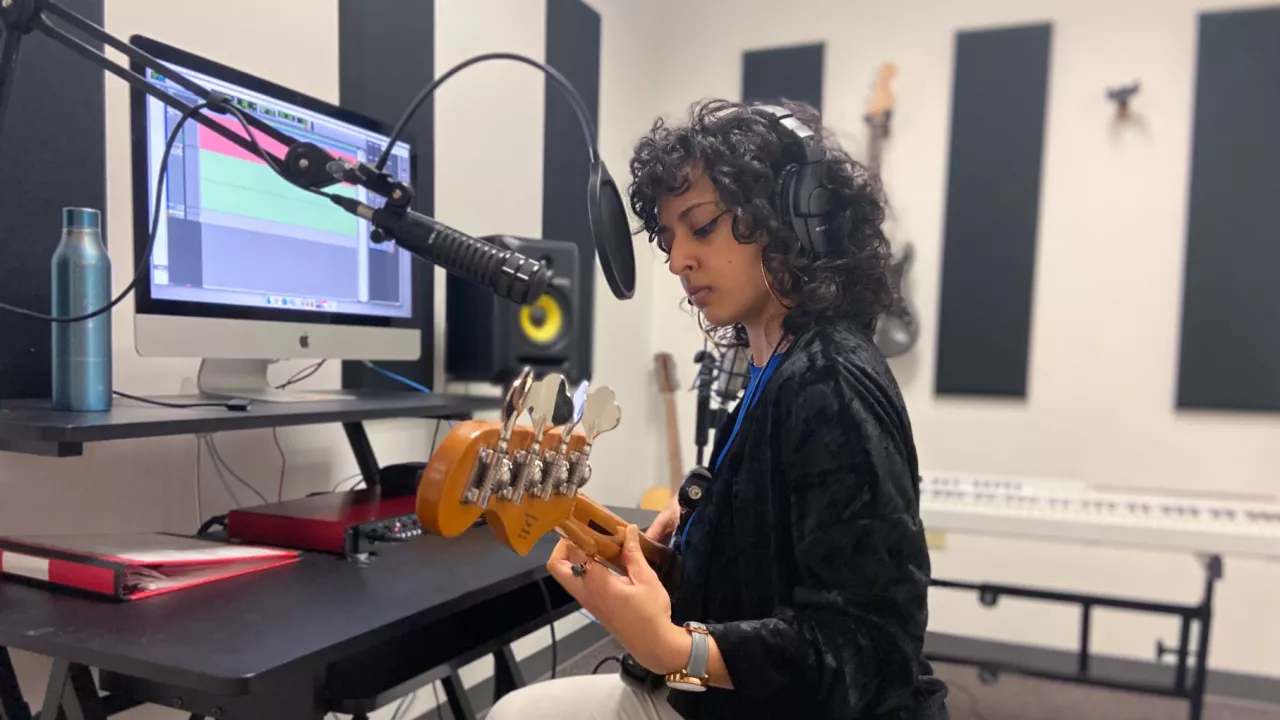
[397, 195]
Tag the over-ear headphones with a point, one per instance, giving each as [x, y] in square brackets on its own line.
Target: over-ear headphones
[799, 195]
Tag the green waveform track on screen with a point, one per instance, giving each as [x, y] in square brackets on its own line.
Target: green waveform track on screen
[251, 189]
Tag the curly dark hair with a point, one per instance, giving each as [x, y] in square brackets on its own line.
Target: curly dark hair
[742, 155]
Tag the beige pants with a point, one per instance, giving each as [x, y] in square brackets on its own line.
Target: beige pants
[583, 697]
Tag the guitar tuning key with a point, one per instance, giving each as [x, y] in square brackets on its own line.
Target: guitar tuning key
[548, 402]
[517, 399]
[600, 414]
[556, 462]
[495, 462]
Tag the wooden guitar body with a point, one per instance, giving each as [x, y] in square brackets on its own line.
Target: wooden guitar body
[658, 497]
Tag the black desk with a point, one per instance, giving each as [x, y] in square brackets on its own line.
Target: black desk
[29, 426]
[294, 642]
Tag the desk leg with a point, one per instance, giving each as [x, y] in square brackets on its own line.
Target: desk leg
[12, 705]
[72, 693]
[365, 458]
[506, 673]
[456, 693]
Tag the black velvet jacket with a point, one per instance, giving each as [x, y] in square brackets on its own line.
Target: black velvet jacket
[807, 557]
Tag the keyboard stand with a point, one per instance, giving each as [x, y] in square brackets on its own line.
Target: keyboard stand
[1201, 614]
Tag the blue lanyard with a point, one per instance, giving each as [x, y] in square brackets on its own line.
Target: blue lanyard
[759, 376]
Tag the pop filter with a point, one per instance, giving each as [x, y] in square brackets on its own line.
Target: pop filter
[611, 232]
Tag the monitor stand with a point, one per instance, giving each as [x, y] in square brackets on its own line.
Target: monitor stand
[221, 377]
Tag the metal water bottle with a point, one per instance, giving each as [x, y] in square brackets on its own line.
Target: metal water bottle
[81, 284]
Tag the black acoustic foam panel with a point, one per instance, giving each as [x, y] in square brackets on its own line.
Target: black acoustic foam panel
[993, 202]
[790, 73]
[54, 155]
[386, 55]
[1230, 347]
[573, 48]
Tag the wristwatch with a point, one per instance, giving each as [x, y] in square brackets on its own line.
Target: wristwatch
[694, 676]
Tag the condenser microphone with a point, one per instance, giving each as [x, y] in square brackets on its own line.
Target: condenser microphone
[731, 374]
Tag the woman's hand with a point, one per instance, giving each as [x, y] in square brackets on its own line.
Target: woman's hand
[665, 524]
[635, 608]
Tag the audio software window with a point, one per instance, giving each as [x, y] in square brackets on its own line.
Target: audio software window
[236, 232]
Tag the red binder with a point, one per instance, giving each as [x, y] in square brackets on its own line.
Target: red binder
[132, 566]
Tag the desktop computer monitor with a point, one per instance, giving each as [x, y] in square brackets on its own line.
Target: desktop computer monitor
[247, 268]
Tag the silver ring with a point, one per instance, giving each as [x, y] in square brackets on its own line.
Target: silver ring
[579, 569]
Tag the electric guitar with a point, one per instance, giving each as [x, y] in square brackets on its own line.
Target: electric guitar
[657, 498]
[897, 329]
[526, 479]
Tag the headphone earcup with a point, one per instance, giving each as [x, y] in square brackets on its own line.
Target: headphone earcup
[784, 201]
[809, 206]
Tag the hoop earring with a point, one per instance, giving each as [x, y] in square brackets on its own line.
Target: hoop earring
[699, 320]
[765, 276]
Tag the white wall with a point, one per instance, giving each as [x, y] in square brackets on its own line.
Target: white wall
[1102, 340]
[1107, 289]
[151, 484]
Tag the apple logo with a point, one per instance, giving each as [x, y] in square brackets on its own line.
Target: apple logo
[304, 340]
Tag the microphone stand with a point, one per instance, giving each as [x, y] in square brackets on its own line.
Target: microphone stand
[702, 416]
[304, 164]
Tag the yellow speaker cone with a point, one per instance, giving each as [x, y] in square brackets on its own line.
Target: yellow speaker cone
[543, 320]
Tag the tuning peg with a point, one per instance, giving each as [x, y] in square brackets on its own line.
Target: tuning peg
[547, 398]
[600, 414]
[548, 401]
[517, 398]
[496, 463]
[579, 404]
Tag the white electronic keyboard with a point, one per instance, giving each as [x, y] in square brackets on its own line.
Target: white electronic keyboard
[1070, 510]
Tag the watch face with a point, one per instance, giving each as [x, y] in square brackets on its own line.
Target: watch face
[685, 684]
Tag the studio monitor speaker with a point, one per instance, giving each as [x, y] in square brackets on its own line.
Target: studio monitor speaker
[488, 339]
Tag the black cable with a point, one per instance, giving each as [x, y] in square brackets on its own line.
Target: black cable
[975, 707]
[146, 257]
[302, 374]
[611, 658]
[161, 178]
[218, 461]
[579, 107]
[551, 623]
[228, 404]
[270, 161]
[435, 436]
[208, 524]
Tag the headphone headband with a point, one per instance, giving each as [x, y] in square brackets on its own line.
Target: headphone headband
[798, 136]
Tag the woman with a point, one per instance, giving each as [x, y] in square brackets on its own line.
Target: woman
[804, 563]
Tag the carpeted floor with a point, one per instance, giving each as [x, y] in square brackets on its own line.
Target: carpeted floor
[1015, 697]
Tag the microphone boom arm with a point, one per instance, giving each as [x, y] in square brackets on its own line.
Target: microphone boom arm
[304, 164]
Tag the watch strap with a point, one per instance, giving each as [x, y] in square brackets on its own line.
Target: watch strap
[698, 653]
[694, 676]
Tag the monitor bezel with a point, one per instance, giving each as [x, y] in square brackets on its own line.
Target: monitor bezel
[143, 188]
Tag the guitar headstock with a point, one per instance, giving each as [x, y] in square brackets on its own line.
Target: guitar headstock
[664, 366]
[525, 477]
[880, 105]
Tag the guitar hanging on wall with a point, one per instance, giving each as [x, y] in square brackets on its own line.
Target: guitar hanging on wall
[897, 329]
[526, 479]
[657, 498]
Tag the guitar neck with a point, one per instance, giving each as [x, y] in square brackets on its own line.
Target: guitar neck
[600, 533]
[675, 463]
[875, 144]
